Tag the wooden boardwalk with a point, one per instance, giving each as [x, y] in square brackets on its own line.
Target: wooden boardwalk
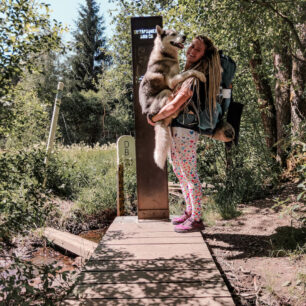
[147, 263]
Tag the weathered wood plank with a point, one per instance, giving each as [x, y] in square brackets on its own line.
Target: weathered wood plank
[151, 290]
[144, 265]
[153, 251]
[154, 240]
[168, 276]
[72, 243]
[194, 301]
[118, 235]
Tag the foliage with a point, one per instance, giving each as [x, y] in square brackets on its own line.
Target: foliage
[81, 117]
[115, 93]
[88, 177]
[84, 174]
[23, 200]
[44, 80]
[92, 174]
[90, 56]
[247, 177]
[288, 241]
[19, 283]
[30, 120]
[83, 109]
[25, 33]
[130, 188]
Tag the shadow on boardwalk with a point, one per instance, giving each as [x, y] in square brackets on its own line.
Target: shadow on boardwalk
[146, 270]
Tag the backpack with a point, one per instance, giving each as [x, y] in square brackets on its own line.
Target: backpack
[202, 118]
[228, 73]
[206, 124]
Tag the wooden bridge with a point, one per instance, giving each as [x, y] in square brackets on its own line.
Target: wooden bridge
[147, 263]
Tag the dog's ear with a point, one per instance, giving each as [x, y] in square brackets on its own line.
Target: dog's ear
[159, 30]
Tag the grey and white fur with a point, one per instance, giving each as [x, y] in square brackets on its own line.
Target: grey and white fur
[157, 85]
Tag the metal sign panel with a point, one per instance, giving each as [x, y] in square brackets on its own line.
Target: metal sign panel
[152, 183]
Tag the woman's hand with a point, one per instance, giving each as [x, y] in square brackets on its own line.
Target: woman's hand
[150, 121]
[169, 109]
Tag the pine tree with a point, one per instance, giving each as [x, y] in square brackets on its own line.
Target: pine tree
[90, 56]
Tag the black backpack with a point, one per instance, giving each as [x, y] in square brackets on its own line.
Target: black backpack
[229, 68]
[234, 109]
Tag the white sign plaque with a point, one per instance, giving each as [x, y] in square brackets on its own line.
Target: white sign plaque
[125, 148]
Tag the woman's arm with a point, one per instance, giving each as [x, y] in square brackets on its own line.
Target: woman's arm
[182, 96]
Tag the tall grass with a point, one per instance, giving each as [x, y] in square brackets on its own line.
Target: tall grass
[93, 179]
[92, 176]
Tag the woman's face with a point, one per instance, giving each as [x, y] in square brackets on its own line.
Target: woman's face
[195, 51]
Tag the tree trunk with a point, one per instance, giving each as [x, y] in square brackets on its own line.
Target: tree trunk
[298, 104]
[265, 100]
[283, 67]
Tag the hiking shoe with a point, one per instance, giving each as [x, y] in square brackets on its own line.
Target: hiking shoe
[190, 225]
[181, 219]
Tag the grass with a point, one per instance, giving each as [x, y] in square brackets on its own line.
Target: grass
[92, 173]
[210, 213]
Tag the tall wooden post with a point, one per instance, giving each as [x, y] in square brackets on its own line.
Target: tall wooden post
[57, 104]
[152, 182]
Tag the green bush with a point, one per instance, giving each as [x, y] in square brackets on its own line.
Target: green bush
[23, 200]
[239, 176]
[65, 177]
[30, 121]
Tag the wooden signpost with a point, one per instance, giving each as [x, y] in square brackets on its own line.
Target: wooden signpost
[125, 153]
[152, 182]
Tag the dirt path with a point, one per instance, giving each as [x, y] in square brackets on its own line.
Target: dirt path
[253, 251]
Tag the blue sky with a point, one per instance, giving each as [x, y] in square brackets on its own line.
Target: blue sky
[66, 11]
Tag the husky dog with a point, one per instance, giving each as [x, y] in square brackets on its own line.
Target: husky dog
[157, 85]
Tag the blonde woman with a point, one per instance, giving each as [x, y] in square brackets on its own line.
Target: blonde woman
[197, 97]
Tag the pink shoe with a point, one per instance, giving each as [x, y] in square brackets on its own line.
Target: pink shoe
[181, 219]
[190, 225]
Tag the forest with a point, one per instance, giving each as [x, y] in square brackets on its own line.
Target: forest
[76, 191]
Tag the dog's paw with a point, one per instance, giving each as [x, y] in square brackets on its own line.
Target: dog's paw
[172, 84]
[225, 132]
[201, 77]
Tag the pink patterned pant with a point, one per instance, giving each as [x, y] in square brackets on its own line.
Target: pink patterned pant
[184, 162]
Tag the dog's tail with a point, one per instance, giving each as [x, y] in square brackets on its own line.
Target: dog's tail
[162, 144]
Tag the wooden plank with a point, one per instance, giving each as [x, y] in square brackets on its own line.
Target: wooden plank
[163, 251]
[116, 235]
[134, 233]
[141, 227]
[151, 290]
[72, 243]
[154, 240]
[191, 301]
[134, 222]
[144, 265]
[157, 276]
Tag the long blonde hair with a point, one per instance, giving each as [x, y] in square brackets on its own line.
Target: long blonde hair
[210, 65]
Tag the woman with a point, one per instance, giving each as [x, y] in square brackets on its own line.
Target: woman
[201, 55]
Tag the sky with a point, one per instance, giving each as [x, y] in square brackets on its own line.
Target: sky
[66, 11]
